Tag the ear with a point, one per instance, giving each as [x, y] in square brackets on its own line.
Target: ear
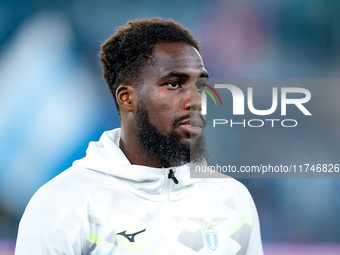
[126, 96]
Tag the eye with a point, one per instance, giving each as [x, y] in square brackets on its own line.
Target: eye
[200, 86]
[174, 85]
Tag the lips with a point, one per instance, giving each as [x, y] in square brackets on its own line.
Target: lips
[192, 125]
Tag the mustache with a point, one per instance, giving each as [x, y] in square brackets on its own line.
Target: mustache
[188, 116]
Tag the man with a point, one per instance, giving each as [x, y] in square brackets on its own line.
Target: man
[132, 193]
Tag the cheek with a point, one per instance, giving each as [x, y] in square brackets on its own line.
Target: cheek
[159, 104]
[161, 115]
[163, 107]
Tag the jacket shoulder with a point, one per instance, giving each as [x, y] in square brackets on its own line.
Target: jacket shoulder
[55, 219]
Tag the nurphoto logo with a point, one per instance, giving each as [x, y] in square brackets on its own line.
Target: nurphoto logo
[204, 98]
[239, 99]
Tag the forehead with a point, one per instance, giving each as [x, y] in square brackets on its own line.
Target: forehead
[177, 56]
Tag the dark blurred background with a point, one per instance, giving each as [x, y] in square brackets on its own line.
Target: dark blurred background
[53, 100]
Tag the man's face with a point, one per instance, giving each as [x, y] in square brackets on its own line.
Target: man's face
[169, 104]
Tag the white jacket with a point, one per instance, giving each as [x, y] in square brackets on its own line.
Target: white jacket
[104, 205]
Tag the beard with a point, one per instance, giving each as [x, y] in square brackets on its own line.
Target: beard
[168, 147]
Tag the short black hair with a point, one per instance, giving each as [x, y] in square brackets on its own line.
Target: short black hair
[125, 53]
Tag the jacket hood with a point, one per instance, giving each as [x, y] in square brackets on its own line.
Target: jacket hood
[106, 157]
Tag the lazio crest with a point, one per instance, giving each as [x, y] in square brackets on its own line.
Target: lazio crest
[211, 238]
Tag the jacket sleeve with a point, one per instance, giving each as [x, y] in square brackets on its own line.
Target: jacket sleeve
[52, 224]
[255, 243]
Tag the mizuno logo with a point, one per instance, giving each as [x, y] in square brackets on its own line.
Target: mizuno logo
[130, 237]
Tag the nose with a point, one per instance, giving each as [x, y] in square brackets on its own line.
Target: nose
[193, 99]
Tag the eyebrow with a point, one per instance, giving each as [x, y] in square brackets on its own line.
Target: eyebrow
[184, 75]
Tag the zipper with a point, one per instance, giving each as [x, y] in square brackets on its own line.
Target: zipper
[172, 176]
[169, 184]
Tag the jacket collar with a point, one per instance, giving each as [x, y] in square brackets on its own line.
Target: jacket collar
[151, 183]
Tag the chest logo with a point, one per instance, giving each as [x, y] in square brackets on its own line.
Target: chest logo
[130, 237]
[211, 238]
[209, 233]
